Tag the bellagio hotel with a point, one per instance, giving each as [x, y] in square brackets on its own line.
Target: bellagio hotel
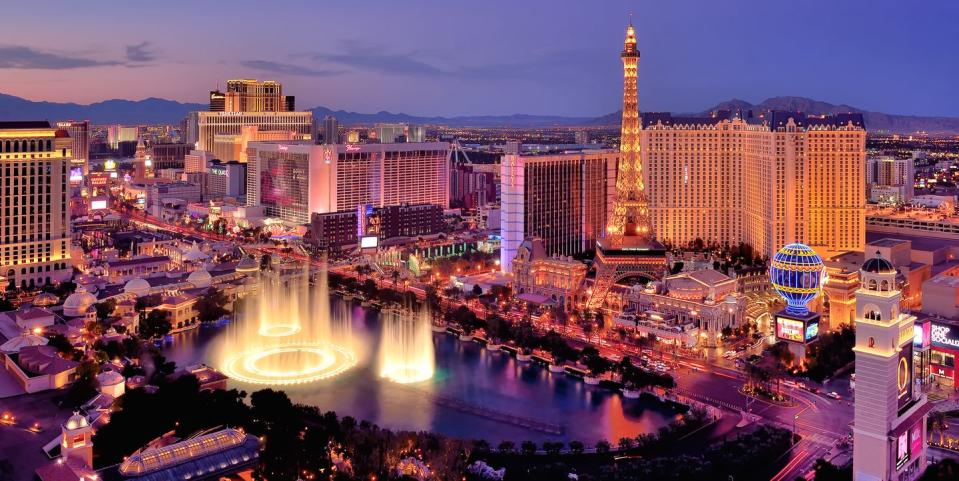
[767, 181]
[35, 228]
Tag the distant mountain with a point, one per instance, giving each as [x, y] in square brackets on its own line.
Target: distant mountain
[515, 120]
[875, 121]
[904, 124]
[147, 111]
[156, 111]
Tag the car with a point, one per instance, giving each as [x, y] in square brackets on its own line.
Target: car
[813, 389]
[834, 395]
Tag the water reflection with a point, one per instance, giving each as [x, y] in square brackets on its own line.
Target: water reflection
[467, 379]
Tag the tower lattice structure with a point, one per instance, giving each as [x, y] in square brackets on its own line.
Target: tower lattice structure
[628, 248]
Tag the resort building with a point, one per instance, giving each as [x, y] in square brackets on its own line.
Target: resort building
[686, 307]
[34, 163]
[767, 181]
[292, 181]
[563, 199]
[544, 279]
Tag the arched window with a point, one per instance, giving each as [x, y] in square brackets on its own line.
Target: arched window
[884, 286]
[872, 285]
[33, 145]
[873, 316]
[872, 341]
[49, 145]
[16, 146]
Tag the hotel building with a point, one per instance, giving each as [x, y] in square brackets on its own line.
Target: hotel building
[79, 131]
[767, 181]
[35, 227]
[890, 180]
[291, 181]
[251, 95]
[296, 125]
[563, 199]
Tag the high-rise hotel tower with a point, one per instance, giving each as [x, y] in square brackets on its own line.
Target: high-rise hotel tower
[34, 225]
[768, 181]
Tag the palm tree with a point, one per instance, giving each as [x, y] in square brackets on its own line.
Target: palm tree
[937, 423]
[528, 448]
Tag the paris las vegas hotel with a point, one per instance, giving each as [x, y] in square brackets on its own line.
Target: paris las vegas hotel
[765, 180]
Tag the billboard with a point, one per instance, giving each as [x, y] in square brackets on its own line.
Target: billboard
[943, 335]
[812, 330]
[76, 174]
[904, 377]
[922, 334]
[790, 329]
[902, 449]
[916, 440]
[369, 242]
[98, 204]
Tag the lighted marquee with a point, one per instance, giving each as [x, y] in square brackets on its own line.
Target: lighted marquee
[795, 330]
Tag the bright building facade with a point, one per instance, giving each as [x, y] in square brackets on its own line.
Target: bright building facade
[34, 225]
[563, 199]
[766, 181]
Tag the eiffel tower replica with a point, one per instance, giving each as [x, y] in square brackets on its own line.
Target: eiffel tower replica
[628, 248]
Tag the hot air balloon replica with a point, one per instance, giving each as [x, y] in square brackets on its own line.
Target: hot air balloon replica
[797, 274]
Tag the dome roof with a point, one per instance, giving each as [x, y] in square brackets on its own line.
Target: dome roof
[79, 302]
[247, 264]
[21, 341]
[194, 254]
[200, 278]
[110, 378]
[878, 265]
[137, 286]
[76, 421]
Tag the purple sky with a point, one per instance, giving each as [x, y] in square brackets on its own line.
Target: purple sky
[490, 56]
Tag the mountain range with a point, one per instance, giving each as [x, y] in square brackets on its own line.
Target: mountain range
[156, 111]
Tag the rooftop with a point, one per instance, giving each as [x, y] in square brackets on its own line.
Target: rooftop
[24, 124]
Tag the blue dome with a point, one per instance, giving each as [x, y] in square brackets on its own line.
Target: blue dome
[796, 274]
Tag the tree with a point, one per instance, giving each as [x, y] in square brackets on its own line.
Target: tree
[826, 471]
[211, 305]
[481, 446]
[506, 447]
[155, 324]
[625, 443]
[552, 447]
[105, 309]
[937, 424]
[6, 305]
[941, 471]
[151, 300]
[266, 262]
[477, 290]
[576, 447]
[528, 448]
[603, 446]
[85, 385]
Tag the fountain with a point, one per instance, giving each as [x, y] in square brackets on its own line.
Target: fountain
[406, 346]
[287, 333]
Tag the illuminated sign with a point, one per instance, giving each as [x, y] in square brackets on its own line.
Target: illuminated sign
[76, 175]
[904, 377]
[915, 440]
[352, 148]
[110, 164]
[942, 336]
[902, 449]
[922, 334]
[369, 242]
[789, 329]
[98, 204]
[812, 330]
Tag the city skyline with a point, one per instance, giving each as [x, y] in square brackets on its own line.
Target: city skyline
[494, 58]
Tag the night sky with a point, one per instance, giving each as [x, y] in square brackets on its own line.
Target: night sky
[489, 56]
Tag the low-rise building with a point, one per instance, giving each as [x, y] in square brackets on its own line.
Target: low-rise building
[706, 299]
[557, 278]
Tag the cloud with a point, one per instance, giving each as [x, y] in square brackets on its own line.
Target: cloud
[140, 52]
[537, 65]
[22, 57]
[288, 69]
